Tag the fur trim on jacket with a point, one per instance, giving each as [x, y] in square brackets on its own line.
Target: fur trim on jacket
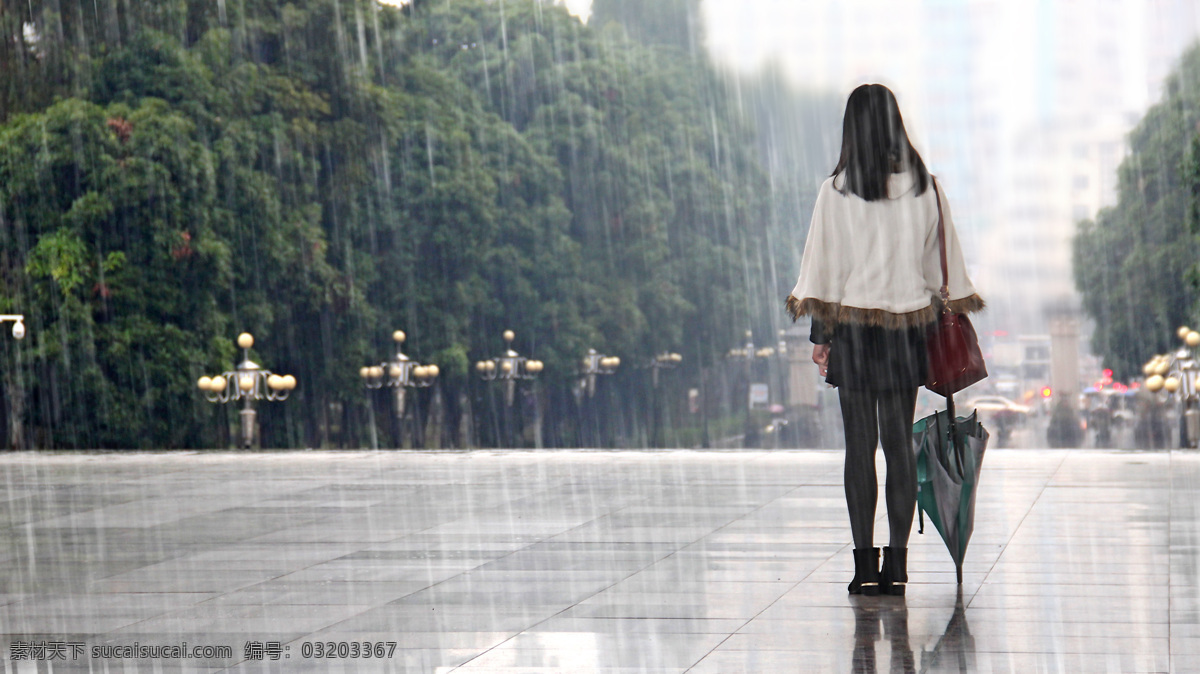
[834, 314]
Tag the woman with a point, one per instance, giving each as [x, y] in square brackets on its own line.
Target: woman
[870, 280]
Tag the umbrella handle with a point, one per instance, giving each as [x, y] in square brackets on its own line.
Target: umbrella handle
[920, 518]
[958, 571]
[958, 448]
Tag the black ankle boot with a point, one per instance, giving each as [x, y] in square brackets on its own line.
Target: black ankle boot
[866, 572]
[893, 578]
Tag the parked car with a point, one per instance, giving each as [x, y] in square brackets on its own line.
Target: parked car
[995, 404]
[1000, 414]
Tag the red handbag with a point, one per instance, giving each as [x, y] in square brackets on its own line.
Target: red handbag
[955, 361]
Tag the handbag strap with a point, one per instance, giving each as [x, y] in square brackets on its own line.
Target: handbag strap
[945, 289]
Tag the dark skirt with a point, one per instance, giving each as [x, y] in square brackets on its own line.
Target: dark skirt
[864, 357]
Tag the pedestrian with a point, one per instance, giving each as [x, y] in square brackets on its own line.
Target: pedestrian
[870, 279]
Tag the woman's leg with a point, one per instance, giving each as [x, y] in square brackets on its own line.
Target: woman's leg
[896, 410]
[861, 425]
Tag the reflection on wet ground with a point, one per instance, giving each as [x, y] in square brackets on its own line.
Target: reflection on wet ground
[1082, 561]
[886, 619]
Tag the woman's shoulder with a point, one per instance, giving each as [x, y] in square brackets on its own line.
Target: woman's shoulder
[833, 186]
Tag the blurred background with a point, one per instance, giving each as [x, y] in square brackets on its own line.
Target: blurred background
[617, 179]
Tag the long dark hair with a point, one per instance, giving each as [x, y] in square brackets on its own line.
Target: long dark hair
[875, 144]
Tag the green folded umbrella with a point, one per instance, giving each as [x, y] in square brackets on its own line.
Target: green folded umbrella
[949, 457]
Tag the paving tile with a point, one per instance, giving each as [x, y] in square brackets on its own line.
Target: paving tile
[559, 561]
[590, 651]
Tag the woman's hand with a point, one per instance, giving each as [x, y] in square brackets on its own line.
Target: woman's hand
[821, 358]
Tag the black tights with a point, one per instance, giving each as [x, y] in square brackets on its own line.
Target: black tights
[871, 418]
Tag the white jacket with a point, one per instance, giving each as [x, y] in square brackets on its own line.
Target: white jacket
[877, 262]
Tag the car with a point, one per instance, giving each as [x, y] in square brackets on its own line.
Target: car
[1001, 414]
[996, 404]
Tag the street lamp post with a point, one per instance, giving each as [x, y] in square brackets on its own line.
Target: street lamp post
[1177, 374]
[748, 354]
[594, 365]
[247, 382]
[663, 361]
[400, 373]
[779, 371]
[509, 368]
[16, 402]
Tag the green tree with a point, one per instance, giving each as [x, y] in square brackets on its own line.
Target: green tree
[99, 211]
[323, 172]
[1132, 263]
[674, 23]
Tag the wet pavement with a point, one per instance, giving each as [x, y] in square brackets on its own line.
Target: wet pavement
[559, 561]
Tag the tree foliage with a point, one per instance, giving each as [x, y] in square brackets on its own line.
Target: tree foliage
[1135, 263]
[322, 172]
[674, 23]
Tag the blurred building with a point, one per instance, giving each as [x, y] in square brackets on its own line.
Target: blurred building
[1100, 64]
[1020, 106]
[1018, 366]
